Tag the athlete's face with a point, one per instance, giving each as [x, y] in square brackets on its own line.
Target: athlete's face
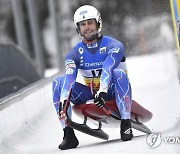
[88, 28]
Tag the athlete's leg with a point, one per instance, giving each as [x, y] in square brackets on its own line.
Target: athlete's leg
[80, 94]
[124, 102]
[56, 85]
[122, 93]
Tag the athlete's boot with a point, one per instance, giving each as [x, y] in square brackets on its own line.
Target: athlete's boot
[69, 140]
[126, 130]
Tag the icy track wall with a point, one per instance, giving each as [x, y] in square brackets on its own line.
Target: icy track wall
[18, 109]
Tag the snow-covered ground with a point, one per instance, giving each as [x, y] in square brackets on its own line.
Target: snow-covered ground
[155, 85]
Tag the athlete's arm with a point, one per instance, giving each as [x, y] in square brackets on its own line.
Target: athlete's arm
[71, 64]
[115, 55]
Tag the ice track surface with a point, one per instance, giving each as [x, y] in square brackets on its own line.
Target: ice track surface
[155, 85]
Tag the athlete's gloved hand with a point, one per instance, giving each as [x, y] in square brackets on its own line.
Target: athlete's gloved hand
[99, 99]
[62, 110]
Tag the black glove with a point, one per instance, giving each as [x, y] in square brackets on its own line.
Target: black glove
[62, 110]
[99, 99]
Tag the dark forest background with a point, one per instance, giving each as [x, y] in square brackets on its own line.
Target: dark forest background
[142, 26]
[35, 35]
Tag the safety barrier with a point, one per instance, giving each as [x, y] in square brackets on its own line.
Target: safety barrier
[18, 109]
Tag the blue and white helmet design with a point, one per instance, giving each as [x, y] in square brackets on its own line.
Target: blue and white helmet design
[86, 12]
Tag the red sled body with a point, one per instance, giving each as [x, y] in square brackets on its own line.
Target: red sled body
[92, 111]
[109, 115]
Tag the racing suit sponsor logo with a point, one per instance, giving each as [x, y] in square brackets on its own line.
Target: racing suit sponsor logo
[81, 50]
[69, 64]
[114, 50]
[102, 50]
[69, 61]
[127, 101]
[93, 45]
[93, 64]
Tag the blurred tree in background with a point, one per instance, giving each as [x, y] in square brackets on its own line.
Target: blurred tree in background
[142, 26]
[37, 34]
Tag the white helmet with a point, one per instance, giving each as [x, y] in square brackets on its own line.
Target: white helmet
[87, 12]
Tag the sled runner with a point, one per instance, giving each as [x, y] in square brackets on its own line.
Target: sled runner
[107, 115]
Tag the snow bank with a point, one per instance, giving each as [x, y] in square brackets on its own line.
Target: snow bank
[18, 109]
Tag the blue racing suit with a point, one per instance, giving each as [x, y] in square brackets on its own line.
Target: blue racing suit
[104, 63]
